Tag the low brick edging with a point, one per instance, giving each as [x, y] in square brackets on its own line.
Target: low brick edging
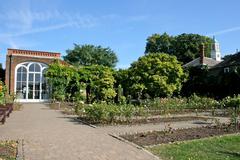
[20, 150]
[134, 145]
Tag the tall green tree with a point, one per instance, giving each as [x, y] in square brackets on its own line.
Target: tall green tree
[91, 55]
[156, 74]
[159, 43]
[63, 80]
[185, 46]
[99, 82]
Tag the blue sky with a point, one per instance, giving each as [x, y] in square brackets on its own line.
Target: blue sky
[54, 25]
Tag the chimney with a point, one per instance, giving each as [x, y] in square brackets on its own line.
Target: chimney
[201, 53]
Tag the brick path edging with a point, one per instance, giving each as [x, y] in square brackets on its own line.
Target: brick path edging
[20, 150]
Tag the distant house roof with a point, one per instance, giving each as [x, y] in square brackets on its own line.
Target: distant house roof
[206, 61]
[233, 60]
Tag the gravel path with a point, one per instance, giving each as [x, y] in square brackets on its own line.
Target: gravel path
[131, 129]
[50, 135]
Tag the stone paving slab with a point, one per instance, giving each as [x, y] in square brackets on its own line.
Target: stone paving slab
[50, 135]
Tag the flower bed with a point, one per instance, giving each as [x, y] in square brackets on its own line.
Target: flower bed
[169, 135]
[8, 150]
[151, 120]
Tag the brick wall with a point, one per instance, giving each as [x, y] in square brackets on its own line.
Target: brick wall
[12, 60]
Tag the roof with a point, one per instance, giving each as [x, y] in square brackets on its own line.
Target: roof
[233, 60]
[206, 61]
[19, 52]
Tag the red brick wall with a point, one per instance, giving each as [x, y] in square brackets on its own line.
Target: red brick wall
[15, 61]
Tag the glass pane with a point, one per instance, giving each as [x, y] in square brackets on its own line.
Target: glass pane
[24, 85]
[44, 86]
[37, 95]
[43, 79]
[37, 86]
[37, 68]
[30, 86]
[44, 95]
[30, 94]
[37, 77]
[31, 68]
[30, 77]
[24, 70]
[18, 76]
[19, 70]
[24, 95]
[19, 86]
[24, 77]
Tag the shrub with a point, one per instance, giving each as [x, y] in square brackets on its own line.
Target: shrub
[193, 102]
[2, 92]
[108, 113]
[234, 104]
[165, 103]
[196, 102]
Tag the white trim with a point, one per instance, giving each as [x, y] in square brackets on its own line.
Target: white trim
[32, 100]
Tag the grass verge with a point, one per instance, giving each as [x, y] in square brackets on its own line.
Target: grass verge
[215, 148]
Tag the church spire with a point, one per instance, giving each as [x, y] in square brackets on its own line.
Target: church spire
[215, 50]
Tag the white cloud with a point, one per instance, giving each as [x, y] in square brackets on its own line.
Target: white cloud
[225, 31]
[24, 21]
[37, 30]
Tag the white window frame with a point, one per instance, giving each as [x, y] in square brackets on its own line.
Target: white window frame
[42, 67]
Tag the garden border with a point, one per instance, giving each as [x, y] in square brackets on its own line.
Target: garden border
[134, 145]
[192, 140]
[20, 150]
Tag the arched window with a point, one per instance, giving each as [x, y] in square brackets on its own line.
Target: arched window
[21, 82]
[30, 81]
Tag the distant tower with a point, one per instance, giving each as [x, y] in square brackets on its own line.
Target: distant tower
[215, 50]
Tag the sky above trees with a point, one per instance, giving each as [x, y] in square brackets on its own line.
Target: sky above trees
[123, 25]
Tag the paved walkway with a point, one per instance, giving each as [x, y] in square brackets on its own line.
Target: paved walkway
[50, 135]
[131, 129]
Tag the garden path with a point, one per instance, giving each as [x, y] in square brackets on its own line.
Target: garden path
[131, 129]
[50, 135]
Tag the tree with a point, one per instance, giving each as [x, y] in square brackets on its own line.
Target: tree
[159, 43]
[185, 46]
[156, 74]
[99, 82]
[198, 82]
[3, 91]
[122, 77]
[63, 80]
[91, 55]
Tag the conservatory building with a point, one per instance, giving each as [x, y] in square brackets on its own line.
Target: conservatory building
[25, 74]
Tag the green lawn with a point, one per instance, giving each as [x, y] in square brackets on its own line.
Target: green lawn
[217, 148]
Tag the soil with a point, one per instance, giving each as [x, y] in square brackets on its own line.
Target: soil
[137, 121]
[169, 136]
